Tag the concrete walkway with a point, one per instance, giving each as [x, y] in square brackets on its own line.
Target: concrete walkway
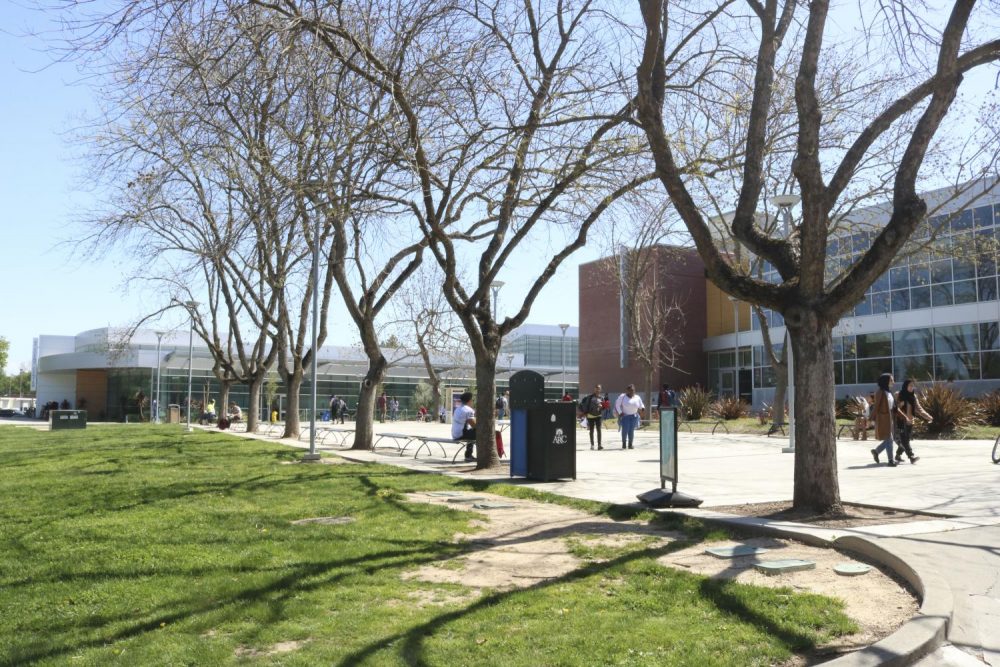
[954, 561]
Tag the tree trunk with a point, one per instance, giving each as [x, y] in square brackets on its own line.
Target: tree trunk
[253, 410]
[486, 447]
[293, 383]
[816, 485]
[364, 417]
[649, 393]
[778, 404]
[224, 387]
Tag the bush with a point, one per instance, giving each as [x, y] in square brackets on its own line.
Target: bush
[950, 410]
[989, 408]
[729, 407]
[695, 402]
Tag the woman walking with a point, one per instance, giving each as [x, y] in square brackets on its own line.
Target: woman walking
[909, 407]
[884, 412]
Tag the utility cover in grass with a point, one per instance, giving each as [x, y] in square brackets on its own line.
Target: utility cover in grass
[851, 569]
[492, 506]
[326, 520]
[446, 494]
[466, 499]
[735, 552]
[785, 565]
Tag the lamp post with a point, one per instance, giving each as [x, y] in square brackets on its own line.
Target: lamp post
[156, 394]
[495, 288]
[562, 351]
[312, 455]
[785, 204]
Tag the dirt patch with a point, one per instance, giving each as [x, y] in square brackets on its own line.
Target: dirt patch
[523, 543]
[277, 649]
[853, 516]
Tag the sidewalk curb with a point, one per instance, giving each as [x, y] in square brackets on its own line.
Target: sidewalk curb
[919, 636]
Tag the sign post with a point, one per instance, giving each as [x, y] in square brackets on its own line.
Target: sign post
[668, 467]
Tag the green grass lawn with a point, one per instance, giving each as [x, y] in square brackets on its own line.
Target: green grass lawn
[140, 545]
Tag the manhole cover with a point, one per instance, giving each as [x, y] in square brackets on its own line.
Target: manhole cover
[466, 499]
[735, 552]
[851, 569]
[492, 506]
[326, 520]
[786, 565]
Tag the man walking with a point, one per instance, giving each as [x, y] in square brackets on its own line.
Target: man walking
[629, 409]
[590, 406]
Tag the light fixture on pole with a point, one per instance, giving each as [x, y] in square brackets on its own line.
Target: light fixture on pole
[562, 350]
[495, 288]
[736, 330]
[156, 395]
[785, 204]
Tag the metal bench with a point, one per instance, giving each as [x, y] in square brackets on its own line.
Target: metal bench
[715, 425]
[396, 439]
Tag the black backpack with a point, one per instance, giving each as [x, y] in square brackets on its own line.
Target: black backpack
[500, 403]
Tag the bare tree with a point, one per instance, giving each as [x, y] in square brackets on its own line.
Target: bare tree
[810, 301]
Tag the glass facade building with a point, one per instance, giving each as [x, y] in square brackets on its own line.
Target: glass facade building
[933, 316]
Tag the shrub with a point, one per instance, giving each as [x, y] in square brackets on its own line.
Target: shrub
[695, 402]
[949, 409]
[729, 407]
[989, 408]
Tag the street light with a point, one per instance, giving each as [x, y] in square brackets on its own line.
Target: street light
[495, 288]
[785, 204]
[312, 455]
[156, 399]
[562, 350]
[736, 329]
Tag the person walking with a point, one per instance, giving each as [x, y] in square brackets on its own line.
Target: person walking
[382, 404]
[590, 406]
[629, 409]
[909, 407]
[884, 411]
[393, 409]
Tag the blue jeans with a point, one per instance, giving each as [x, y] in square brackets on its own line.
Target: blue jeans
[628, 424]
[887, 446]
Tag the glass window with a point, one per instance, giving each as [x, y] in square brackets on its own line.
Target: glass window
[874, 345]
[913, 342]
[870, 369]
[920, 274]
[965, 291]
[899, 277]
[960, 338]
[964, 268]
[881, 283]
[964, 366]
[838, 373]
[991, 365]
[941, 295]
[920, 297]
[986, 266]
[983, 216]
[913, 368]
[900, 300]
[880, 303]
[937, 224]
[850, 372]
[838, 348]
[767, 377]
[941, 271]
[850, 347]
[963, 220]
[864, 307]
[988, 338]
[860, 241]
[832, 247]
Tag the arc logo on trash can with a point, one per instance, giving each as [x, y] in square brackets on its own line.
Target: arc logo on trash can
[559, 438]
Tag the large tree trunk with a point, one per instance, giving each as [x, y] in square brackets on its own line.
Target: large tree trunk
[364, 417]
[816, 485]
[778, 404]
[293, 383]
[224, 387]
[486, 447]
[253, 409]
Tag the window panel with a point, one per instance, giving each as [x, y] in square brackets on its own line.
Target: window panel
[920, 297]
[913, 342]
[964, 268]
[850, 347]
[960, 338]
[880, 303]
[983, 216]
[864, 307]
[964, 366]
[859, 242]
[838, 373]
[942, 295]
[941, 271]
[965, 291]
[870, 369]
[920, 274]
[850, 372]
[988, 336]
[991, 365]
[987, 289]
[899, 277]
[913, 368]
[986, 265]
[881, 283]
[962, 221]
[874, 345]
[900, 300]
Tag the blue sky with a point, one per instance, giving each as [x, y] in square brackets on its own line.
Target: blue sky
[46, 287]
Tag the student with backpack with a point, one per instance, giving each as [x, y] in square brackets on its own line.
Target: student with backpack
[592, 406]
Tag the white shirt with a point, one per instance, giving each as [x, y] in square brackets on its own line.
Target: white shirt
[462, 415]
[629, 406]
